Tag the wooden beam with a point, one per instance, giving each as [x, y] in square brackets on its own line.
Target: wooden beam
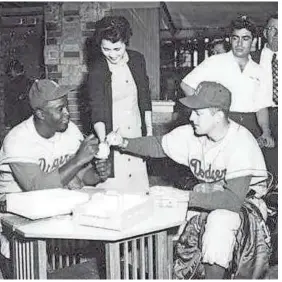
[167, 18]
[134, 5]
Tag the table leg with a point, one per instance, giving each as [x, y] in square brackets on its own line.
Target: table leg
[113, 260]
[29, 258]
[162, 263]
[170, 241]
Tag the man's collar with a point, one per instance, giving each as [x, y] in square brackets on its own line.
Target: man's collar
[266, 47]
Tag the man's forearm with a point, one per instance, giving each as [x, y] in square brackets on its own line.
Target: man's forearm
[263, 120]
[231, 198]
[149, 146]
[69, 170]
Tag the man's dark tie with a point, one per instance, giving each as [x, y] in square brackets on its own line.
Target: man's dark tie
[274, 63]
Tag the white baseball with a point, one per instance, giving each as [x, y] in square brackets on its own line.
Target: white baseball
[114, 139]
[104, 151]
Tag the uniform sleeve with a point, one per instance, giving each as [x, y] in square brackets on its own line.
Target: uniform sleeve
[200, 73]
[30, 177]
[176, 144]
[231, 198]
[15, 151]
[246, 159]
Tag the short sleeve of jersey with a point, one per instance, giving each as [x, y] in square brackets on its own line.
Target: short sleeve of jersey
[246, 158]
[200, 73]
[17, 148]
[176, 144]
[20, 145]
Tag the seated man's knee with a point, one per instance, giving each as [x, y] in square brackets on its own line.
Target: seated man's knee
[223, 219]
[219, 237]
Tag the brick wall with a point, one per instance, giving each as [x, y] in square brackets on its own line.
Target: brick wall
[20, 38]
[67, 26]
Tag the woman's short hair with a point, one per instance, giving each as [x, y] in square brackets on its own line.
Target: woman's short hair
[244, 22]
[112, 28]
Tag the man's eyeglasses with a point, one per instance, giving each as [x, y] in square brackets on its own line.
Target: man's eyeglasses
[272, 29]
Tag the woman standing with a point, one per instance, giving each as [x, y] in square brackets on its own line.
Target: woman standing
[118, 88]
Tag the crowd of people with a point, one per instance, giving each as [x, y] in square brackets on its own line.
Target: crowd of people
[229, 143]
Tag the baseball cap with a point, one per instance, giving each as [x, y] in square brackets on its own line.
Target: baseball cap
[208, 94]
[44, 90]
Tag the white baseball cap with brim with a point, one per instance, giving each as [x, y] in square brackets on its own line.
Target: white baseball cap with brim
[208, 94]
[44, 90]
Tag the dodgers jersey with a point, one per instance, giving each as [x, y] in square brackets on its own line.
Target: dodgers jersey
[23, 144]
[236, 155]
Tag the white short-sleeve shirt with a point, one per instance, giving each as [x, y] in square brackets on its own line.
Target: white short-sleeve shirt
[236, 155]
[248, 88]
[265, 63]
[23, 144]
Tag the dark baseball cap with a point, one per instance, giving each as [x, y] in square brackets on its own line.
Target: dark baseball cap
[44, 90]
[208, 94]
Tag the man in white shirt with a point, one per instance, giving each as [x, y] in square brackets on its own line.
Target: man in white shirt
[47, 151]
[267, 57]
[242, 76]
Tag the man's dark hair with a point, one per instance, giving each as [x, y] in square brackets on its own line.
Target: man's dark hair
[16, 66]
[219, 40]
[244, 22]
[272, 16]
[112, 28]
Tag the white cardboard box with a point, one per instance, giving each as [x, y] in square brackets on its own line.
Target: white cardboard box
[114, 211]
[45, 203]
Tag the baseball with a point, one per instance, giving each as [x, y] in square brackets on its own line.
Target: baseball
[104, 151]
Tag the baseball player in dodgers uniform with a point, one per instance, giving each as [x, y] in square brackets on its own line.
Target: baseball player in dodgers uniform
[48, 150]
[223, 155]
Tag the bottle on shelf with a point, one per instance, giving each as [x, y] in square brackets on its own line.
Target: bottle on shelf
[206, 47]
[195, 52]
[259, 42]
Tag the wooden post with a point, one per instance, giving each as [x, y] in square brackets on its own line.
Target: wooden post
[113, 261]
[161, 255]
[29, 258]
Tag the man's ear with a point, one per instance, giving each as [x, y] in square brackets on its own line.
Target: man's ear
[254, 44]
[265, 33]
[39, 114]
[219, 115]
